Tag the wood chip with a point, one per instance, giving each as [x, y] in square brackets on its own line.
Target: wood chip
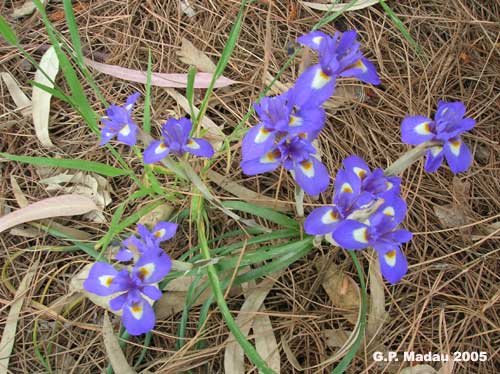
[114, 352]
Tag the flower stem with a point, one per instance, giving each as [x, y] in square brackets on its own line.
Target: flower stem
[299, 201]
[408, 158]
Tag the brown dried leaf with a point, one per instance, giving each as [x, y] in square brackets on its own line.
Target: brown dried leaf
[160, 213]
[191, 55]
[289, 354]
[336, 338]
[115, 354]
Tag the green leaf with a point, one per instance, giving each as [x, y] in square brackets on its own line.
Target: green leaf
[84, 165]
[53, 91]
[7, 32]
[267, 213]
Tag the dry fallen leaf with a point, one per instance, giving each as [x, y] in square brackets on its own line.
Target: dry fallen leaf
[342, 290]
[191, 55]
[265, 341]
[361, 4]
[93, 186]
[114, 352]
[22, 101]
[377, 314]
[336, 338]
[59, 206]
[419, 369]
[289, 354]
[26, 9]
[41, 99]
[187, 8]
[160, 213]
[9, 332]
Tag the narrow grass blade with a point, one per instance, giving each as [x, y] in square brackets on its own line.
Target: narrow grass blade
[7, 31]
[269, 214]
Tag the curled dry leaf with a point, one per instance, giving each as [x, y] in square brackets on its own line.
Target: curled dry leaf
[93, 186]
[114, 352]
[361, 4]
[9, 332]
[41, 99]
[342, 290]
[22, 101]
[191, 55]
[59, 206]
[201, 80]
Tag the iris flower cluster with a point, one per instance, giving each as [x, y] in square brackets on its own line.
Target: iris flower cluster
[291, 121]
[135, 287]
[448, 124]
[357, 188]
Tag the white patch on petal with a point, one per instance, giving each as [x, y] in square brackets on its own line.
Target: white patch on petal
[125, 130]
[295, 121]
[455, 147]
[262, 135]
[160, 233]
[106, 280]
[389, 211]
[108, 134]
[137, 310]
[145, 271]
[359, 172]
[423, 128]
[192, 144]
[388, 186]
[128, 107]
[317, 40]
[320, 79]
[390, 258]
[307, 168]
[346, 188]
[435, 151]
[268, 158]
[360, 235]
[161, 148]
[359, 64]
[329, 217]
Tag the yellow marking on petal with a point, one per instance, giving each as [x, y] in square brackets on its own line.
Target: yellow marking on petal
[359, 64]
[360, 235]
[455, 147]
[145, 271]
[436, 151]
[317, 40]
[329, 217]
[361, 173]
[390, 258]
[388, 185]
[389, 211]
[295, 121]
[423, 128]
[192, 144]
[137, 310]
[159, 233]
[302, 135]
[125, 130]
[106, 280]
[320, 79]
[346, 187]
[262, 135]
[307, 168]
[160, 148]
[270, 157]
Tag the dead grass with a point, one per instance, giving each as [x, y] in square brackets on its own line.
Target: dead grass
[448, 301]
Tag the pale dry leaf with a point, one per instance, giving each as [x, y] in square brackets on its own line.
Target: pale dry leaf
[289, 354]
[342, 290]
[234, 361]
[9, 332]
[265, 341]
[59, 206]
[25, 232]
[41, 99]
[419, 369]
[335, 338]
[246, 194]
[447, 367]
[450, 215]
[202, 80]
[191, 55]
[361, 4]
[377, 314]
[215, 134]
[114, 352]
[22, 201]
[26, 9]
[187, 8]
[158, 214]
[22, 101]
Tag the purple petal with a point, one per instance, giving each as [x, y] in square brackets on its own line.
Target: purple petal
[156, 151]
[129, 104]
[401, 236]
[416, 130]
[308, 120]
[124, 255]
[138, 317]
[393, 185]
[178, 129]
[100, 280]
[458, 155]
[269, 162]
[117, 302]
[357, 165]
[395, 208]
[106, 135]
[347, 188]
[152, 292]
[152, 266]
[164, 230]
[313, 87]
[128, 134]
[434, 159]
[393, 265]
[351, 234]
[312, 176]
[199, 147]
[364, 70]
[312, 39]
[321, 221]
[446, 110]
[256, 142]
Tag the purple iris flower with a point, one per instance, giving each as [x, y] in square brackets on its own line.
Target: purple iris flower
[448, 124]
[280, 116]
[296, 154]
[374, 184]
[136, 289]
[118, 121]
[380, 232]
[324, 220]
[176, 140]
[147, 240]
[339, 56]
